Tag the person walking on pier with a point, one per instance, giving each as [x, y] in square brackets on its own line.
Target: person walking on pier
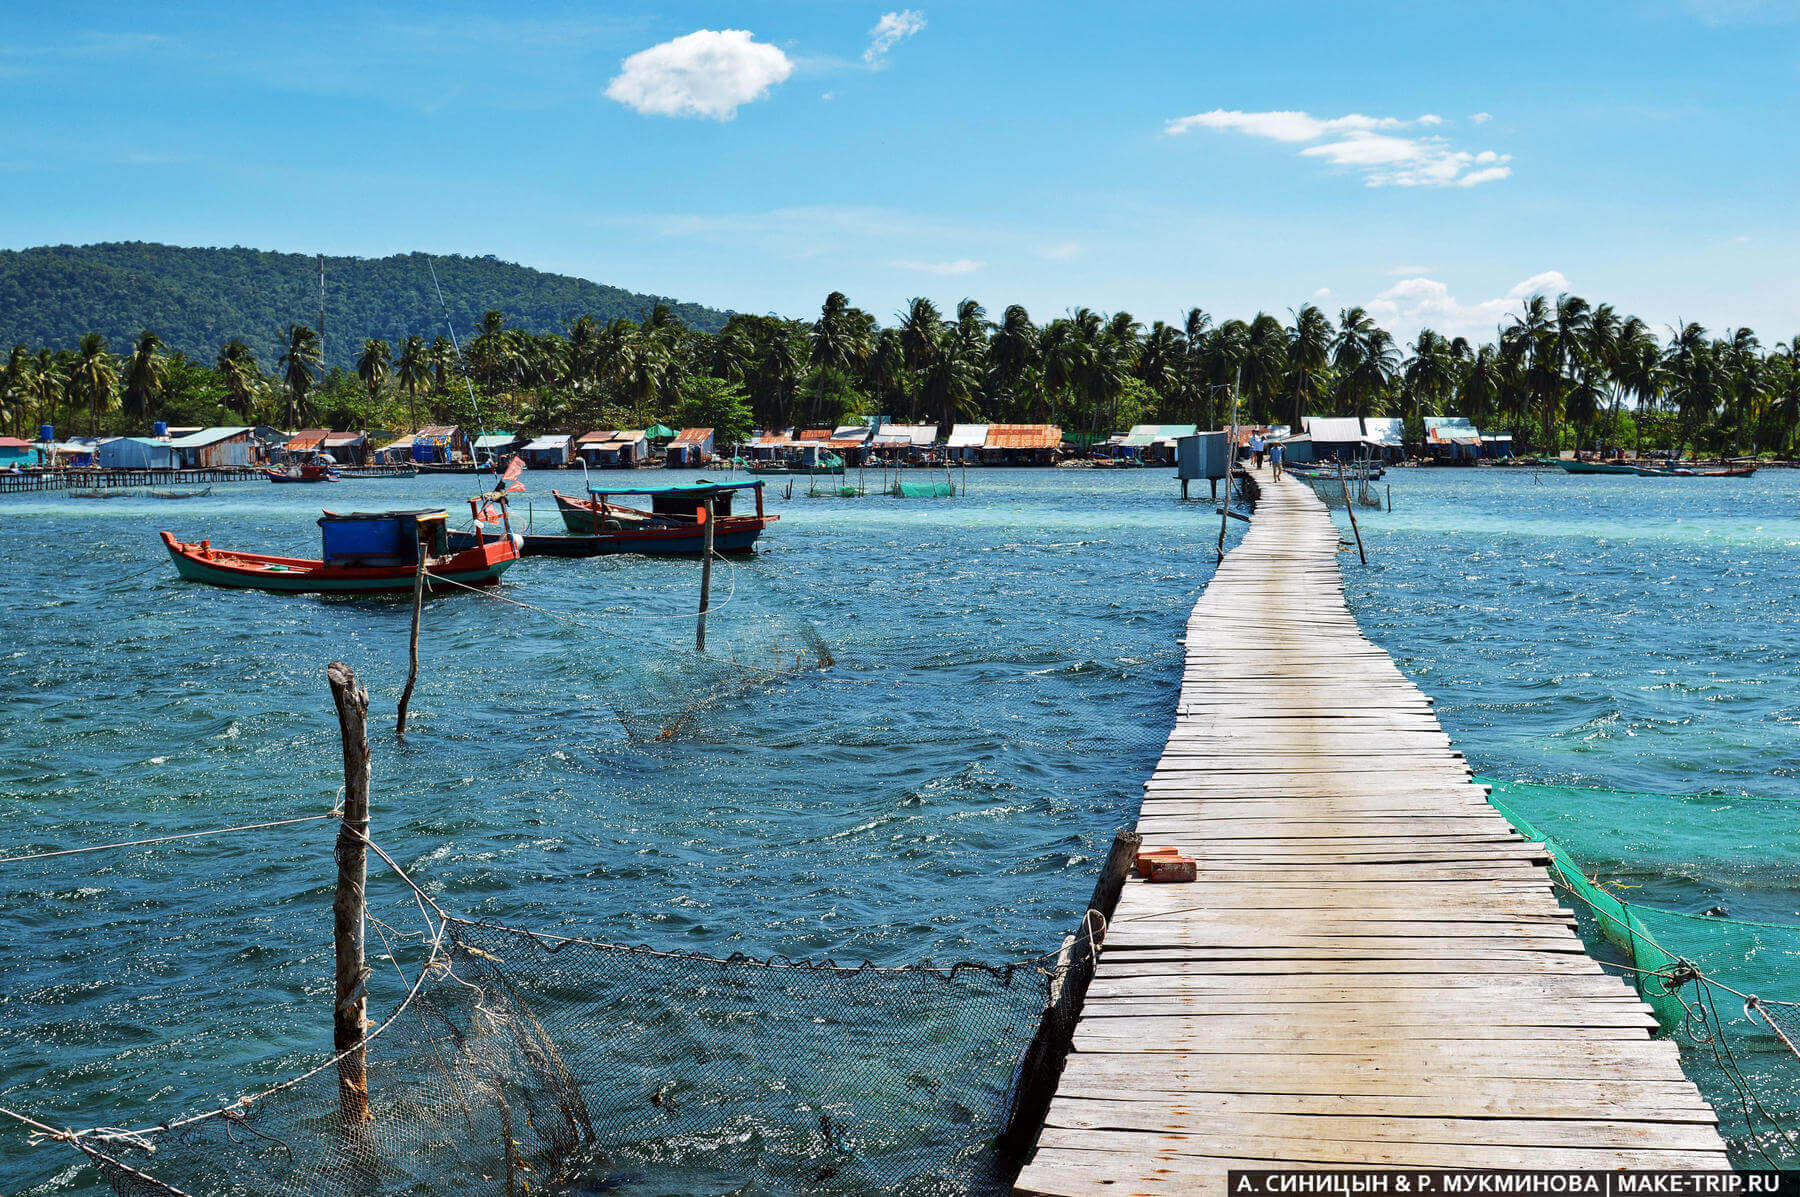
[1275, 456]
[1256, 449]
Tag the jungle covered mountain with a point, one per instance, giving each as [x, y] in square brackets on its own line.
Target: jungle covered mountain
[197, 299]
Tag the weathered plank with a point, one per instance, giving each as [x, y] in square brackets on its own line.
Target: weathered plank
[1372, 970]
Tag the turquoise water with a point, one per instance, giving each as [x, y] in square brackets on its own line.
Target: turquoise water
[1620, 654]
[1005, 671]
[1005, 674]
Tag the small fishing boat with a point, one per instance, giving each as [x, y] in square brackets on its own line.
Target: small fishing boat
[302, 472]
[812, 461]
[1610, 467]
[363, 553]
[673, 524]
[180, 494]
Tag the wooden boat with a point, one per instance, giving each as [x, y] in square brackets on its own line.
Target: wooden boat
[1609, 467]
[823, 462]
[180, 494]
[671, 525]
[363, 553]
[302, 473]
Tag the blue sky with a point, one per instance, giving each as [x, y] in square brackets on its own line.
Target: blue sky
[1432, 161]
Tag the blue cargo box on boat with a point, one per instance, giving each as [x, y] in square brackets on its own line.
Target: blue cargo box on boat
[387, 538]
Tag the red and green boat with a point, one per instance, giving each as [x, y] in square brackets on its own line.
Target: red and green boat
[364, 553]
[672, 524]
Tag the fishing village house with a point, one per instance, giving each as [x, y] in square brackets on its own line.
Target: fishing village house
[306, 443]
[1154, 442]
[1334, 438]
[214, 448]
[966, 441]
[439, 444]
[552, 451]
[691, 447]
[491, 446]
[1383, 437]
[1452, 439]
[1022, 444]
[348, 448]
[614, 449]
[135, 453]
[15, 453]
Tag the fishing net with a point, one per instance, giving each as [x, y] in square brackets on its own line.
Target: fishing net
[1695, 971]
[529, 1062]
[924, 490]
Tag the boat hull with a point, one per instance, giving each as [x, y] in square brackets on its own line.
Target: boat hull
[731, 534]
[278, 476]
[478, 566]
[1600, 467]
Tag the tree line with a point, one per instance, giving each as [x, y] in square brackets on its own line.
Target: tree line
[1559, 373]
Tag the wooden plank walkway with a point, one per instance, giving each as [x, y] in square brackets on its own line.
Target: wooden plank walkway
[1372, 970]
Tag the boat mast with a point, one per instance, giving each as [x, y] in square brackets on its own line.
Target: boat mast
[321, 310]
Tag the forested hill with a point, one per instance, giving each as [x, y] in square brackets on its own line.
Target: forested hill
[197, 299]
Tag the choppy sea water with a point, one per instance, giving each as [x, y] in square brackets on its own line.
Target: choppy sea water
[1005, 665]
[1005, 673]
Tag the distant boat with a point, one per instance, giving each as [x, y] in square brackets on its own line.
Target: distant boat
[180, 494]
[827, 463]
[670, 526]
[302, 473]
[363, 554]
[1607, 467]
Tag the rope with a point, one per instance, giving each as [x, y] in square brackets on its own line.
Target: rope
[163, 839]
[579, 622]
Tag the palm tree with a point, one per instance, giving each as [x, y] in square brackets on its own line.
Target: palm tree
[441, 357]
[1309, 352]
[144, 375]
[299, 364]
[372, 368]
[1265, 366]
[1692, 381]
[413, 371]
[49, 384]
[1160, 362]
[1365, 360]
[94, 378]
[15, 384]
[1013, 361]
[236, 368]
[1430, 373]
[921, 329]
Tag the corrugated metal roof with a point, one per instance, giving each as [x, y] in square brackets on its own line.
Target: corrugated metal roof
[437, 430]
[968, 436]
[307, 438]
[553, 440]
[1335, 429]
[342, 439]
[692, 436]
[1141, 435]
[1024, 436]
[1384, 430]
[494, 440]
[856, 432]
[915, 434]
[1460, 423]
[207, 436]
[815, 434]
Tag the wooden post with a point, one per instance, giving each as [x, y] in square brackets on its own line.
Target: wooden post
[350, 1019]
[706, 556]
[1351, 509]
[412, 652]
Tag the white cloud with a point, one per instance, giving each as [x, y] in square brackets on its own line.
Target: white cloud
[708, 73]
[1409, 271]
[959, 266]
[1280, 126]
[1366, 145]
[1062, 251]
[1418, 302]
[890, 31]
[1481, 118]
[1322, 293]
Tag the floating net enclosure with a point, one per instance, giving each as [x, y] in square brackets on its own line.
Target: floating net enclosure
[529, 1063]
[1727, 988]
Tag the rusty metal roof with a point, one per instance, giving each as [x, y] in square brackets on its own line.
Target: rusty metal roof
[307, 438]
[1023, 436]
[692, 436]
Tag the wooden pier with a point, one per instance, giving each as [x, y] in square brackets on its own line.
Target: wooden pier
[89, 478]
[1372, 970]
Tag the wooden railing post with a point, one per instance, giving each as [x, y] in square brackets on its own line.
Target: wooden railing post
[350, 1020]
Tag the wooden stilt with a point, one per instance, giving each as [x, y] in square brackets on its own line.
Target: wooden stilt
[706, 556]
[350, 1017]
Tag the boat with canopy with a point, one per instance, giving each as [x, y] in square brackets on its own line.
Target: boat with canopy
[673, 522]
[362, 553]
